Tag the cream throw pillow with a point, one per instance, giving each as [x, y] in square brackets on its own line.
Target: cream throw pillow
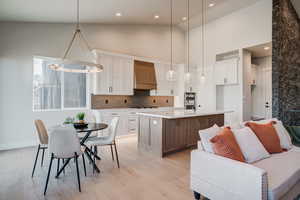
[206, 135]
[251, 147]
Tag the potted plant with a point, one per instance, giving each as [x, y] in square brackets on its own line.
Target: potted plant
[80, 116]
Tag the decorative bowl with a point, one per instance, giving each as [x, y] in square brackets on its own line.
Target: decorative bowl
[80, 125]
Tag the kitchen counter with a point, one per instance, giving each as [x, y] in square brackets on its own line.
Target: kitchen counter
[180, 113]
[166, 132]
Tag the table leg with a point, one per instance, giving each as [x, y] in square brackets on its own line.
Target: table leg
[90, 158]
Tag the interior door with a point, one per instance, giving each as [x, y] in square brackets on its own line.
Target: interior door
[268, 92]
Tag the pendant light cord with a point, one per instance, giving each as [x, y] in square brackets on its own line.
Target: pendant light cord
[77, 32]
[203, 21]
[188, 36]
[171, 31]
[77, 25]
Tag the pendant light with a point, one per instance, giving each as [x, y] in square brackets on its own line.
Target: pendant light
[203, 25]
[171, 74]
[188, 74]
[59, 63]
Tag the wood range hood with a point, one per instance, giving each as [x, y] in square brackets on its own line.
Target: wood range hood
[144, 76]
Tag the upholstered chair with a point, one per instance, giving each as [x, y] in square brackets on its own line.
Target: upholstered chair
[43, 142]
[107, 140]
[64, 144]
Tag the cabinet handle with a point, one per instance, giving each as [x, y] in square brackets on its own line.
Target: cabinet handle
[172, 91]
[132, 120]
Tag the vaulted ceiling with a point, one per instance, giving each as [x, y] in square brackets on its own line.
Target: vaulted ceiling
[103, 11]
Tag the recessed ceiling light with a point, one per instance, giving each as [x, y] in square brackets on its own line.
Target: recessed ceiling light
[184, 18]
[266, 48]
[118, 14]
[211, 5]
[156, 16]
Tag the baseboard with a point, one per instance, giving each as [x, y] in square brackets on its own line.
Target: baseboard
[17, 145]
[126, 136]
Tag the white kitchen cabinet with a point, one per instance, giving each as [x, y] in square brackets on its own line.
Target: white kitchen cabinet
[226, 72]
[128, 120]
[117, 75]
[164, 87]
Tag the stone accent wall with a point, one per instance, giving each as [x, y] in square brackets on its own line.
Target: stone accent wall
[286, 61]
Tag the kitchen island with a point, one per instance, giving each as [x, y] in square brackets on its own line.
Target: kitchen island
[166, 132]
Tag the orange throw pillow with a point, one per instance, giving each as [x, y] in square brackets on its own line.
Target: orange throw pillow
[225, 144]
[267, 135]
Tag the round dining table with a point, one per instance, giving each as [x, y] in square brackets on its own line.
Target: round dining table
[85, 133]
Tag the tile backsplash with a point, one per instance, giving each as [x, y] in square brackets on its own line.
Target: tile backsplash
[122, 101]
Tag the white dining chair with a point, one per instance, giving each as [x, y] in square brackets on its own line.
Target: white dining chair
[43, 142]
[107, 140]
[64, 144]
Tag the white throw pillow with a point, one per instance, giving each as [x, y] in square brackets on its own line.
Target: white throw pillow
[251, 147]
[284, 136]
[206, 135]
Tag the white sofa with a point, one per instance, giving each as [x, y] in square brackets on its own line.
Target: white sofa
[220, 178]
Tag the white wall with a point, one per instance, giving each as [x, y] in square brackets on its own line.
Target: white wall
[244, 28]
[20, 41]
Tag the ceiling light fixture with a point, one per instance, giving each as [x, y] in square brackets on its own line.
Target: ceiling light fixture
[89, 67]
[118, 14]
[156, 16]
[184, 18]
[266, 48]
[171, 74]
[211, 5]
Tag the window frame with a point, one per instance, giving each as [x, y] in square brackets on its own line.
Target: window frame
[62, 107]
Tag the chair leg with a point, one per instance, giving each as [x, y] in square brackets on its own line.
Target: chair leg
[83, 160]
[58, 160]
[42, 162]
[49, 171]
[63, 160]
[94, 159]
[117, 157]
[112, 152]
[78, 177]
[197, 195]
[36, 158]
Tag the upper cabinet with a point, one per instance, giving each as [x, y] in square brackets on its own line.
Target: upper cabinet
[117, 75]
[226, 71]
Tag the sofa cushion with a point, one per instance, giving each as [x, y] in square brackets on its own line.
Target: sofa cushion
[251, 147]
[284, 136]
[283, 171]
[267, 135]
[225, 144]
[205, 136]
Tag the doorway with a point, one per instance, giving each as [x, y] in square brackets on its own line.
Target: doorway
[261, 86]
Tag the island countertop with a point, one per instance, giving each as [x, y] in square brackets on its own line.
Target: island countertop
[180, 113]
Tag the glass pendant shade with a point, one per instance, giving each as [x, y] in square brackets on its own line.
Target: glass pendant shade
[188, 77]
[171, 75]
[202, 78]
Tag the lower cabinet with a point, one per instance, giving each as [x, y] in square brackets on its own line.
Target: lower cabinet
[128, 121]
[183, 133]
[165, 136]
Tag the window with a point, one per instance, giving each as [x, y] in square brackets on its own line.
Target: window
[55, 90]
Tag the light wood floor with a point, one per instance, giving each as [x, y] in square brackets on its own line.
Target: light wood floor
[141, 177]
